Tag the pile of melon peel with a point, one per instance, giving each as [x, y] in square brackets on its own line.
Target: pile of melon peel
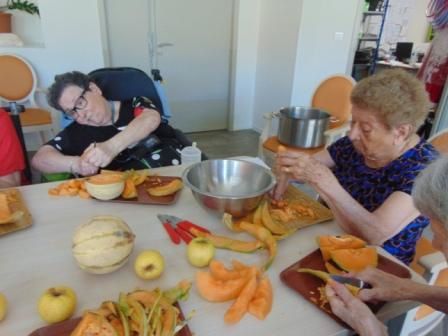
[141, 312]
[250, 289]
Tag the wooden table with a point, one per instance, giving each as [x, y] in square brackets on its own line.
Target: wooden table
[40, 257]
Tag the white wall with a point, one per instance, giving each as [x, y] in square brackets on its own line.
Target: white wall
[405, 22]
[244, 63]
[418, 22]
[72, 41]
[324, 44]
[276, 56]
[298, 47]
[128, 30]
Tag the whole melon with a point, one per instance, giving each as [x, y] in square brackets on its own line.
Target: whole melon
[103, 244]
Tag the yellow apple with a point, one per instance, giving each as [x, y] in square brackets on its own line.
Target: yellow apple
[3, 306]
[149, 264]
[200, 252]
[57, 304]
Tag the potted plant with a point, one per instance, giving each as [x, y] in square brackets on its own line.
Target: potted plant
[23, 5]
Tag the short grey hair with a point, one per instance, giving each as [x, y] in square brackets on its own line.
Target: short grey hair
[430, 191]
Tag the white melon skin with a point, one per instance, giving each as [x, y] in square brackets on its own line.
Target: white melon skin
[103, 244]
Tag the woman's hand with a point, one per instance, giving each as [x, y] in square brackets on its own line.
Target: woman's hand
[99, 154]
[353, 311]
[80, 166]
[385, 286]
[305, 168]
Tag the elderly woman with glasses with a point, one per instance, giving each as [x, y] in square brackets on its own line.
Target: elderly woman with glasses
[103, 132]
[431, 198]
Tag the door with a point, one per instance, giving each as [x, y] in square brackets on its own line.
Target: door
[191, 47]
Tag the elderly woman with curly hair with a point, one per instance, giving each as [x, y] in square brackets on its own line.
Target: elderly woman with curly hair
[431, 198]
[366, 178]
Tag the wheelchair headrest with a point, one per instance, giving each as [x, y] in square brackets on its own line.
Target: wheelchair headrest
[125, 83]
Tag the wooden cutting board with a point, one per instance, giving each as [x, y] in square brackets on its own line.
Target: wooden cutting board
[16, 202]
[321, 212]
[308, 285]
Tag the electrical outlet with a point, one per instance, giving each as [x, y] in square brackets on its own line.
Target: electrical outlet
[338, 36]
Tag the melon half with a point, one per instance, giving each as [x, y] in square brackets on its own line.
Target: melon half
[103, 244]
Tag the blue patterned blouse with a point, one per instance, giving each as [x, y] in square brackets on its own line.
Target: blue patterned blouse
[371, 187]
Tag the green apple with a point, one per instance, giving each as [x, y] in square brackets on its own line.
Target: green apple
[57, 304]
[3, 306]
[200, 252]
[149, 264]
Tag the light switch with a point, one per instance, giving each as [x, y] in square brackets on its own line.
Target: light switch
[338, 36]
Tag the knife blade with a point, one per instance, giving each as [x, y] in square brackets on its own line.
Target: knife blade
[181, 223]
[350, 281]
[174, 236]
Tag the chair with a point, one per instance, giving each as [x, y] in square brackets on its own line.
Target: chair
[440, 141]
[123, 83]
[18, 84]
[115, 85]
[430, 263]
[331, 95]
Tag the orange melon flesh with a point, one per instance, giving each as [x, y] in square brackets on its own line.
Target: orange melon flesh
[331, 243]
[130, 191]
[333, 269]
[239, 308]
[93, 324]
[355, 260]
[220, 272]
[5, 210]
[261, 304]
[106, 178]
[215, 290]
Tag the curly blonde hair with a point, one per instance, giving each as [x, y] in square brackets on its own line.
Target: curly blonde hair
[395, 96]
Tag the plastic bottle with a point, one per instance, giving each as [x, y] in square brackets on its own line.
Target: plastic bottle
[190, 154]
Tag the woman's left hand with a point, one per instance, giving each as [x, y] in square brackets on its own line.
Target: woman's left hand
[99, 154]
[353, 311]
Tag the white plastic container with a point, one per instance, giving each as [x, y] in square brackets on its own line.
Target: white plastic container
[190, 155]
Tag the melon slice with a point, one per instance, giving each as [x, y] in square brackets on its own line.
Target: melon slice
[217, 290]
[355, 260]
[331, 243]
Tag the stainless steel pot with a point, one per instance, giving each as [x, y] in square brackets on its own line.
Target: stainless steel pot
[302, 127]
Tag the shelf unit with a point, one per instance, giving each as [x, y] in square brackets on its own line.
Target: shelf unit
[375, 38]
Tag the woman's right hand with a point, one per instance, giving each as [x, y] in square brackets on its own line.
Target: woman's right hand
[385, 286]
[353, 311]
[82, 167]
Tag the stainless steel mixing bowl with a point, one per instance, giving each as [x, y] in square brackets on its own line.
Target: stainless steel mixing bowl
[232, 186]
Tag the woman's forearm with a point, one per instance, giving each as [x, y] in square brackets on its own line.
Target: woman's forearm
[137, 129]
[49, 160]
[10, 180]
[352, 216]
[434, 296]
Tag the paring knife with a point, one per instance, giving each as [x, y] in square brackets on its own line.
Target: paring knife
[350, 281]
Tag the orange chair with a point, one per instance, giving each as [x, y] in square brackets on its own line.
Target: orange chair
[18, 83]
[331, 95]
[430, 263]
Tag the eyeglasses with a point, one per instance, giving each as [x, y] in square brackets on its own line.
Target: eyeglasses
[80, 103]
